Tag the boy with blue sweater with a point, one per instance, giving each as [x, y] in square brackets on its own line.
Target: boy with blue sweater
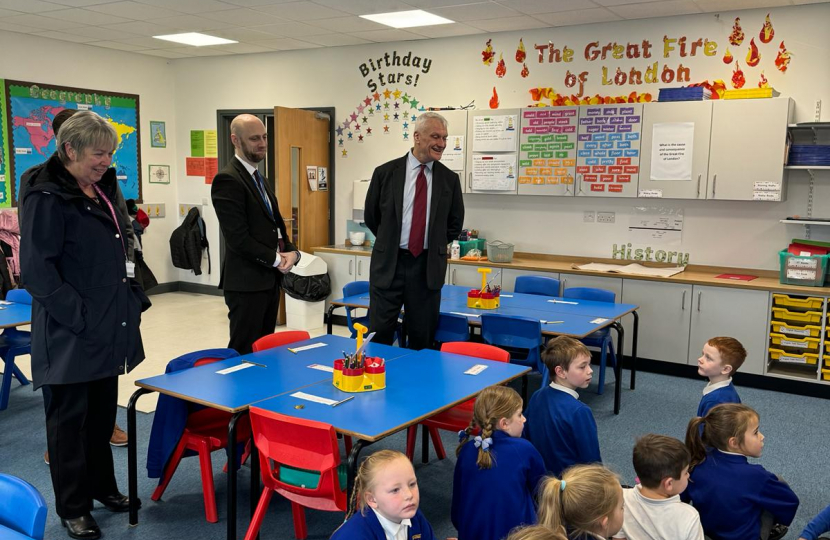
[561, 427]
[721, 357]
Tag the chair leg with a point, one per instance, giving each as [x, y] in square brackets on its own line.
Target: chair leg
[208, 489]
[602, 354]
[259, 514]
[6, 387]
[437, 443]
[411, 437]
[347, 442]
[19, 375]
[300, 529]
[172, 465]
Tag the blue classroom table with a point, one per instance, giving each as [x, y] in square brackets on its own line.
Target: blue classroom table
[283, 372]
[418, 386]
[575, 316]
[12, 315]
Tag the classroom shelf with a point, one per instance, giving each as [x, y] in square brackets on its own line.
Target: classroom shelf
[803, 222]
[793, 371]
[807, 167]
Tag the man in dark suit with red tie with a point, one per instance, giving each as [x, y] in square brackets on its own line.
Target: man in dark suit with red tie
[258, 250]
[415, 208]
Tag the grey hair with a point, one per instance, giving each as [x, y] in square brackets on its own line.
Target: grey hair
[83, 130]
[421, 121]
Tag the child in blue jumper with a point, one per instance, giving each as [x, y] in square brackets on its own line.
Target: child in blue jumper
[497, 472]
[721, 357]
[736, 500]
[562, 428]
[385, 483]
[819, 525]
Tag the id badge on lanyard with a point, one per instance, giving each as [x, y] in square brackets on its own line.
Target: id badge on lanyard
[130, 266]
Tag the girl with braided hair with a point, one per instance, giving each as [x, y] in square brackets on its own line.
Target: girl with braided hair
[587, 503]
[497, 471]
[386, 483]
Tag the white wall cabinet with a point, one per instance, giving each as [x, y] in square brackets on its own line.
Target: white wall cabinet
[469, 276]
[746, 153]
[665, 313]
[344, 269]
[699, 115]
[607, 283]
[738, 313]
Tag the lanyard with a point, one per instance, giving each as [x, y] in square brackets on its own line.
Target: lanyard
[114, 217]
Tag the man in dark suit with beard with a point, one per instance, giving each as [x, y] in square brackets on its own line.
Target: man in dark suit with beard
[258, 249]
[415, 208]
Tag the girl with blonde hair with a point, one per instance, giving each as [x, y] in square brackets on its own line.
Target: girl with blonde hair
[497, 471]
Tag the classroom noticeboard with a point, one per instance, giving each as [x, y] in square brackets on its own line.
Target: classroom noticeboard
[493, 151]
[608, 150]
[547, 151]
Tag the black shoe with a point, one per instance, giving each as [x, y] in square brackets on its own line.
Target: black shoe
[83, 528]
[778, 531]
[117, 502]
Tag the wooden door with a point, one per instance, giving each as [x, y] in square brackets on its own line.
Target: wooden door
[301, 140]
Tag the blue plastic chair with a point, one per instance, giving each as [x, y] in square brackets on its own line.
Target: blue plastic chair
[601, 338]
[541, 285]
[13, 343]
[515, 333]
[22, 509]
[353, 289]
[452, 328]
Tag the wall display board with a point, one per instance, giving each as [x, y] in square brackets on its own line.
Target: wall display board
[455, 154]
[547, 151]
[492, 163]
[608, 150]
[31, 108]
[5, 178]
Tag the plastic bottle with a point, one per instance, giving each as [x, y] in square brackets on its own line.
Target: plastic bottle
[455, 250]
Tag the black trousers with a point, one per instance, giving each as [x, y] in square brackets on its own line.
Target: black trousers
[79, 420]
[252, 315]
[408, 289]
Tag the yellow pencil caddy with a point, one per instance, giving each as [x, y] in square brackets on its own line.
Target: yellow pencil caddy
[364, 379]
[479, 299]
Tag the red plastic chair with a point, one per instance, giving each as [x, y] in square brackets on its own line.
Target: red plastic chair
[279, 339]
[206, 431]
[300, 460]
[458, 417]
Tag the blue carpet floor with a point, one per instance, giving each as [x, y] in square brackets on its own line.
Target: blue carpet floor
[796, 448]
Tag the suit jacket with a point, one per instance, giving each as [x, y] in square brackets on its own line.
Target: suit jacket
[251, 238]
[383, 214]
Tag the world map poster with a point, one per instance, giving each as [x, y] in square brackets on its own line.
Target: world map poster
[30, 109]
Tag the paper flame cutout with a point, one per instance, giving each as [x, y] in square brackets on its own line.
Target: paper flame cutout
[521, 54]
[558, 100]
[767, 32]
[763, 83]
[738, 79]
[753, 55]
[737, 35]
[782, 61]
[727, 57]
[494, 101]
[501, 68]
[487, 54]
[525, 71]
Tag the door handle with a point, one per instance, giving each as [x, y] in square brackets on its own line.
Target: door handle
[714, 185]
[470, 180]
[452, 277]
[351, 267]
[698, 190]
[698, 299]
[683, 301]
[359, 268]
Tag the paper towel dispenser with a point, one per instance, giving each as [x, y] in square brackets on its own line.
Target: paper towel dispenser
[360, 188]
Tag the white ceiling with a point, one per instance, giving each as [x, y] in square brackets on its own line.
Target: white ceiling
[281, 25]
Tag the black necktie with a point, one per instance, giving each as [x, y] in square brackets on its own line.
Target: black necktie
[260, 185]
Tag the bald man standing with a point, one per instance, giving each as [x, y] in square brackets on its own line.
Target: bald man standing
[258, 250]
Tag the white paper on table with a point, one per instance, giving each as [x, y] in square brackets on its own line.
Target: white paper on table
[315, 399]
[321, 367]
[598, 320]
[454, 154]
[494, 172]
[672, 151]
[234, 368]
[464, 314]
[306, 347]
[497, 133]
[476, 369]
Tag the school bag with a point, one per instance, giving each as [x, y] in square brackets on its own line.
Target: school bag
[187, 242]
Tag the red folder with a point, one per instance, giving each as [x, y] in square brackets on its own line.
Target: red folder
[806, 250]
[738, 277]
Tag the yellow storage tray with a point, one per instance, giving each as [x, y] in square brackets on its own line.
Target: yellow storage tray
[750, 93]
[797, 316]
[780, 327]
[826, 357]
[807, 344]
[825, 374]
[799, 303]
[793, 358]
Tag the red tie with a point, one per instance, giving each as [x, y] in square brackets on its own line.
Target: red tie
[419, 215]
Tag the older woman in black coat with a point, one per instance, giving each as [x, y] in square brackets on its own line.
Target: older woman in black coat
[85, 315]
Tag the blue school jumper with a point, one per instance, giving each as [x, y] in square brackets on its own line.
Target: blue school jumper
[727, 394]
[730, 494]
[817, 527]
[367, 527]
[562, 429]
[488, 503]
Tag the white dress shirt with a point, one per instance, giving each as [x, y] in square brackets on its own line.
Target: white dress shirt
[394, 531]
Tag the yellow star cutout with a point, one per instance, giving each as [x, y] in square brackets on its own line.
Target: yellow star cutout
[385, 117]
[344, 152]
[396, 93]
[387, 93]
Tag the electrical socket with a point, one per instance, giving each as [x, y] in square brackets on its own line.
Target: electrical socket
[605, 217]
[588, 216]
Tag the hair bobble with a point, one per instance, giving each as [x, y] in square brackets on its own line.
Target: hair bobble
[485, 444]
[462, 435]
[562, 485]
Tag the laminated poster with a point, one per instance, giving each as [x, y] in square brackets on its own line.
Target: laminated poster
[495, 133]
[494, 172]
[672, 151]
[453, 156]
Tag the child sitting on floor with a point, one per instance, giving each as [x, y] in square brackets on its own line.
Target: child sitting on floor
[497, 471]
